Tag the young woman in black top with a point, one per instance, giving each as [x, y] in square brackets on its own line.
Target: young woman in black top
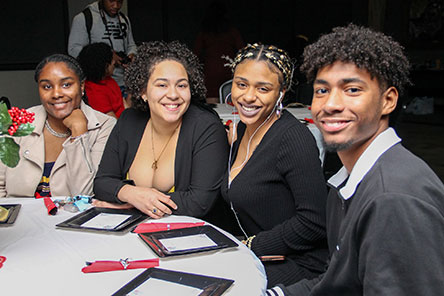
[169, 152]
[275, 184]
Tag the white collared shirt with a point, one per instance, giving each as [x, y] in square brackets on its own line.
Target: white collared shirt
[383, 142]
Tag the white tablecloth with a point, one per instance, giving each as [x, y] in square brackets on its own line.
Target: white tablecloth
[43, 260]
[227, 112]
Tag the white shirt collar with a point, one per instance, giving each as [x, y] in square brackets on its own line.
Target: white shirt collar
[380, 144]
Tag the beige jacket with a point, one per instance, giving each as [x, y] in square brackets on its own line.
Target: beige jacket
[75, 168]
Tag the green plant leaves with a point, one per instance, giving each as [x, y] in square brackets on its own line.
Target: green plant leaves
[24, 130]
[9, 152]
[5, 119]
[9, 149]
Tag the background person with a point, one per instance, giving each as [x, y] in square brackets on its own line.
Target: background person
[102, 91]
[385, 221]
[275, 183]
[168, 153]
[102, 21]
[61, 156]
[217, 38]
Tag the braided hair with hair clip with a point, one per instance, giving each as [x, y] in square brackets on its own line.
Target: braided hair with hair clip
[268, 53]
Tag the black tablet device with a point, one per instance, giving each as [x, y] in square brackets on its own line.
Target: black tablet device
[186, 240]
[13, 210]
[104, 219]
[153, 280]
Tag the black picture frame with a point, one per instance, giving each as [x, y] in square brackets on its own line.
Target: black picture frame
[210, 285]
[76, 222]
[14, 210]
[152, 239]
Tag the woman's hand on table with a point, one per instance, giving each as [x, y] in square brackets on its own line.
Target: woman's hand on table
[148, 200]
[110, 205]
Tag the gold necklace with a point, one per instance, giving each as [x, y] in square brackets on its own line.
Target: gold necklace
[154, 165]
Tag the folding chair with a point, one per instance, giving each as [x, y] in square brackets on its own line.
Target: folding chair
[224, 90]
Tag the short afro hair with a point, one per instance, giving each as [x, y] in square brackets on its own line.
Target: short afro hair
[149, 54]
[94, 59]
[373, 51]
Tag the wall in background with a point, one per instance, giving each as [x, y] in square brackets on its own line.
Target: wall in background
[259, 20]
[19, 85]
[30, 31]
[274, 22]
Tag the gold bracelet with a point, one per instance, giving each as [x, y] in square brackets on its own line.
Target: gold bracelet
[249, 241]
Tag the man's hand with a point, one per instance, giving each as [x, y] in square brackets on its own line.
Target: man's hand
[117, 59]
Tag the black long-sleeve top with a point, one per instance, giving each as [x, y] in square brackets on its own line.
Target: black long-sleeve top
[280, 194]
[201, 159]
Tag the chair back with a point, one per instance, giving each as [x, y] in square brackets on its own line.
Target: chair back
[224, 90]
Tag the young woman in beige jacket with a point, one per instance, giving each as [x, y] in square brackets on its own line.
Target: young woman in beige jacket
[61, 156]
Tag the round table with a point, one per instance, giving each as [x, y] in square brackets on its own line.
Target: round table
[44, 260]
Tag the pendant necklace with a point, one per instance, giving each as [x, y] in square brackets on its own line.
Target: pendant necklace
[54, 133]
[154, 165]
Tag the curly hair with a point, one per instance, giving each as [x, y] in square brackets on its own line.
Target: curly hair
[94, 59]
[373, 51]
[278, 60]
[149, 54]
